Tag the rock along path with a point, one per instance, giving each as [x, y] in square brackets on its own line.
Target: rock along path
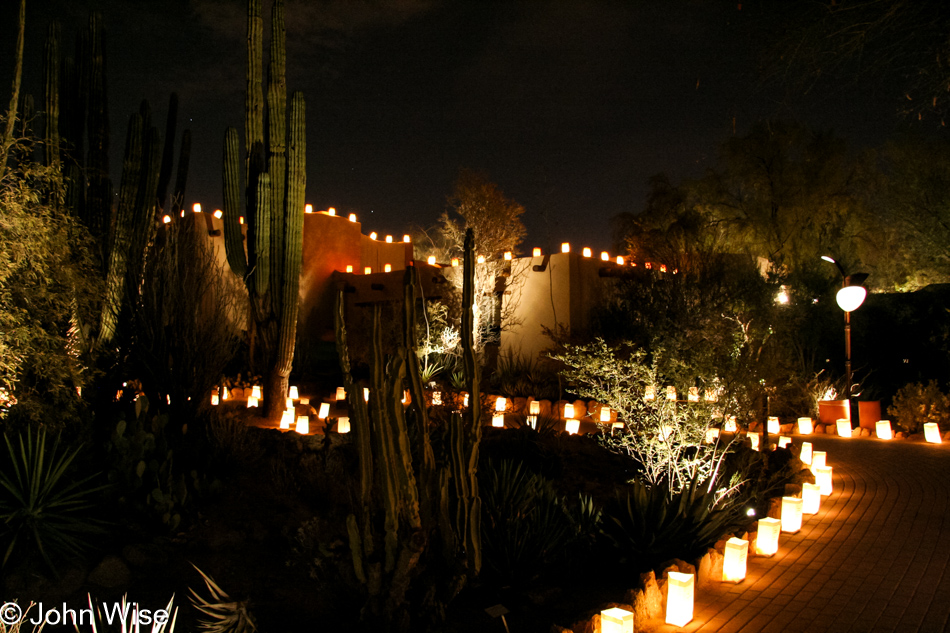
[875, 558]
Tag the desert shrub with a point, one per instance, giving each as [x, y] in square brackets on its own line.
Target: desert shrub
[916, 404]
[231, 439]
[526, 525]
[518, 376]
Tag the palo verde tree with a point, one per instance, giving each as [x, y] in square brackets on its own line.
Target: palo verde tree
[273, 192]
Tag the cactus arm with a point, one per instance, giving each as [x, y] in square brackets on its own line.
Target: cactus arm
[233, 239]
[277, 139]
[254, 99]
[165, 176]
[52, 79]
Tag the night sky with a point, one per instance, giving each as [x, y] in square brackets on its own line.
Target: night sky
[569, 106]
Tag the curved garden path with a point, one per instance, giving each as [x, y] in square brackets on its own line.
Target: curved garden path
[875, 558]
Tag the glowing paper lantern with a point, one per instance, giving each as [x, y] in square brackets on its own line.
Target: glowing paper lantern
[387, 268]
[604, 256]
[671, 393]
[455, 262]
[389, 239]
[533, 421]
[464, 399]
[340, 393]
[568, 411]
[343, 425]
[288, 403]
[294, 394]
[844, 427]
[349, 268]
[167, 219]
[712, 435]
[818, 460]
[324, 410]
[251, 402]
[437, 397]
[572, 426]
[805, 426]
[711, 395]
[693, 394]
[214, 399]
[365, 394]
[755, 438]
[351, 217]
[303, 424]
[616, 425]
[507, 256]
[286, 419]
[806, 453]
[308, 208]
[256, 392]
[811, 498]
[783, 442]
[766, 540]
[605, 414]
[566, 247]
[196, 207]
[823, 479]
[500, 404]
[372, 235]
[679, 598]
[331, 211]
[480, 259]
[773, 424]
[534, 408]
[649, 393]
[932, 433]
[498, 420]
[368, 270]
[883, 429]
[218, 213]
[536, 252]
[734, 560]
[666, 432]
[224, 393]
[406, 239]
[730, 425]
[616, 620]
[431, 260]
[586, 252]
[305, 401]
[620, 260]
[791, 514]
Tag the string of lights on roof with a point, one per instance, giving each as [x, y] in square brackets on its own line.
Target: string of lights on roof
[586, 252]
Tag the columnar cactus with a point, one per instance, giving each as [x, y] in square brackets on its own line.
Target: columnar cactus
[275, 180]
[414, 514]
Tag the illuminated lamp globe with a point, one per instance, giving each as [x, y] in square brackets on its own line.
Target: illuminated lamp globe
[850, 298]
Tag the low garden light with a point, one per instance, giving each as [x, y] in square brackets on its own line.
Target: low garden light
[791, 514]
[303, 425]
[293, 394]
[214, 399]
[498, 420]
[286, 419]
[324, 410]
[773, 425]
[501, 404]
[252, 402]
[883, 430]
[343, 425]
[572, 426]
[823, 479]
[843, 426]
[806, 453]
[679, 598]
[811, 498]
[288, 403]
[766, 539]
[616, 620]
[340, 393]
[620, 260]
[568, 411]
[224, 393]
[932, 433]
[734, 560]
[805, 426]
[256, 392]
[534, 408]
[604, 256]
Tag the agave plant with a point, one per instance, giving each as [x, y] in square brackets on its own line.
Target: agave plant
[40, 504]
[227, 616]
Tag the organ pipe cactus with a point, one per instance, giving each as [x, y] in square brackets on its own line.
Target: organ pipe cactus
[274, 185]
[415, 514]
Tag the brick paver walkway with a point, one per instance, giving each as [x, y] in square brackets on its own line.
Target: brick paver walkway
[875, 557]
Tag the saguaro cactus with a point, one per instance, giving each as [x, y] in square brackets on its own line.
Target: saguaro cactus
[416, 514]
[275, 181]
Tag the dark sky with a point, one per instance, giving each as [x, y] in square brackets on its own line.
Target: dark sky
[569, 106]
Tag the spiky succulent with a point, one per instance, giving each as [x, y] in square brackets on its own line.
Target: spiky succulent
[227, 615]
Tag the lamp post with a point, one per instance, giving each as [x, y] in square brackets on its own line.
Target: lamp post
[849, 299]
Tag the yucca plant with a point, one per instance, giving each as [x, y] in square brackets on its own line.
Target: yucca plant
[651, 524]
[126, 619]
[41, 504]
[227, 616]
